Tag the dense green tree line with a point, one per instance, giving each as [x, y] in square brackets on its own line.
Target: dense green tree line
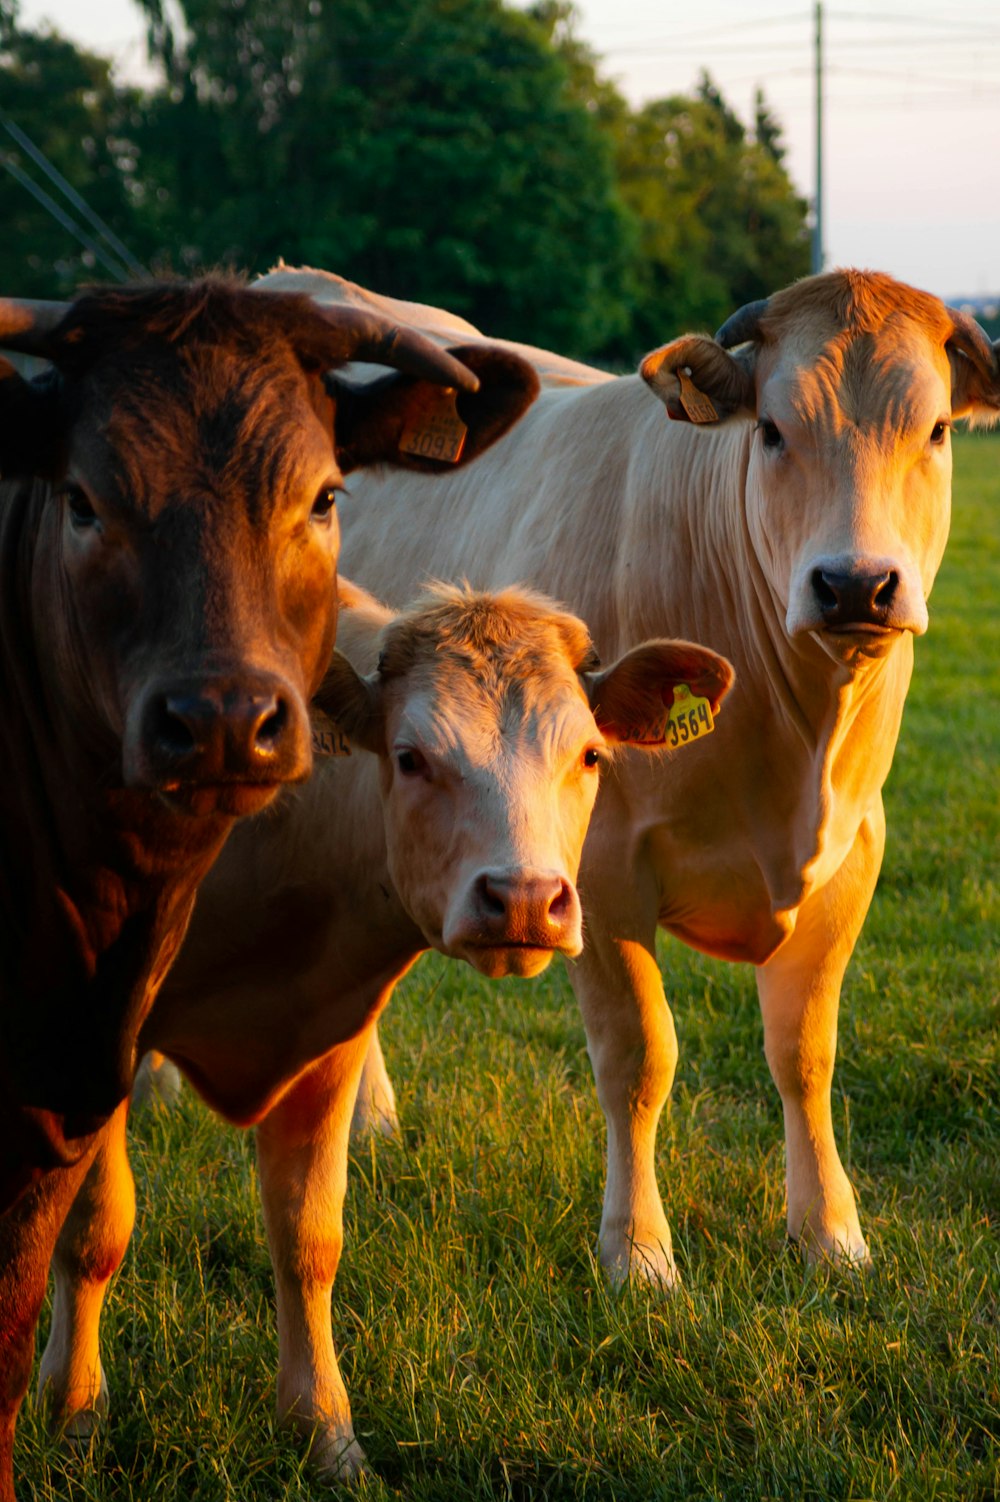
[450, 151]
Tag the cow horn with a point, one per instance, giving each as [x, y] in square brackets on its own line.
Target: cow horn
[378, 341]
[972, 340]
[25, 324]
[743, 326]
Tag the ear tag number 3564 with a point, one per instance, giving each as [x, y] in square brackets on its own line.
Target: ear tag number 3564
[689, 717]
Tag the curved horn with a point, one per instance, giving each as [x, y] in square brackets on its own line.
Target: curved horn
[379, 341]
[25, 324]
[743, 325]
[972, 340]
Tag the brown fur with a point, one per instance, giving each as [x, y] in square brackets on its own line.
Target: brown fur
[499, 637]
[860, 302]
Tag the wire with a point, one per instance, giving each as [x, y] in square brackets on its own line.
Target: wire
[79, 203]
[49, 204]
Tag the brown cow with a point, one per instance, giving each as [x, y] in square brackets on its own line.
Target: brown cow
[793, 517]
[489, 719]
[167, 606]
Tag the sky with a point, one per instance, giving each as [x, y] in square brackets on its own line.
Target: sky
[911, 119]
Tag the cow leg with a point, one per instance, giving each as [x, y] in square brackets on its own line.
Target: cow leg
[633, 1049]
[375, 1112]
[91, 1245]
[28, 1234]
[302, 1157]
[799, 991]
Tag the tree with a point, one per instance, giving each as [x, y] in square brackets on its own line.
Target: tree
[432, 149]
[83, 138]
[719, 221]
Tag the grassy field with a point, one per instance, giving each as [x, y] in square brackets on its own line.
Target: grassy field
[484, 1356]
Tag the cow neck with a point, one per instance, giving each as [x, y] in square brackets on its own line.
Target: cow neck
[96, 881]
[694, 573]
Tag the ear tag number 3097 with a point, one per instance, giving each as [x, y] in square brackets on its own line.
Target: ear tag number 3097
[689, 717]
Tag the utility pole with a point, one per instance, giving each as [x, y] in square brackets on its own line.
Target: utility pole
[817, 240]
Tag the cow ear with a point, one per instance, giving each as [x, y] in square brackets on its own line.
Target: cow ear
[632, 699]
[975, 384]
[30, 425]
[354, 704]
[402, 420]
[699, 381]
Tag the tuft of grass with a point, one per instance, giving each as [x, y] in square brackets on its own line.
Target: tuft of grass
[485, 1357]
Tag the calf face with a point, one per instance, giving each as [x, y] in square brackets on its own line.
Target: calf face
[491, 721]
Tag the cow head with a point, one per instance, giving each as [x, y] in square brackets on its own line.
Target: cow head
[491, 721]
[853, 382]
[192, 449]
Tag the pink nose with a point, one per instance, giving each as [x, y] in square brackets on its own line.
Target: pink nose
[538, 909]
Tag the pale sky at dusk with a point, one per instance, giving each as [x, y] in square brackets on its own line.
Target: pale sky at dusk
[912, 121]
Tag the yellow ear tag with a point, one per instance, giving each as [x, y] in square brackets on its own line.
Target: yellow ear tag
[327, 737]
[689, 717]
[435, 430]
[695, 403]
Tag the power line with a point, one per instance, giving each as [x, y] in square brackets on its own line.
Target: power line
[69, 192]
[890, 20]
[61, 217]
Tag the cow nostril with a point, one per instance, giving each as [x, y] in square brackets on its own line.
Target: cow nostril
[170, 729]
[272, 725]
[561, 904]
[885, 592]
[825, 594]
[490, 898]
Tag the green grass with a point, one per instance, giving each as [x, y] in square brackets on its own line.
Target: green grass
[484, 1355]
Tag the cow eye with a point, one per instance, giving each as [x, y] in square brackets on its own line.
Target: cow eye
[770, 433]
[410, 762]
[938, 432]
[81, 511]
[592, 757]
[324, 503]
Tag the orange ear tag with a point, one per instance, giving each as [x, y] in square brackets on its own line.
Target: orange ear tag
[435, 430]
[689, 717]
[327, 737]
[695, 403]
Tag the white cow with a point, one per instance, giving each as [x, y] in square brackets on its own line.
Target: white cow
[489, 719]
[794, 518]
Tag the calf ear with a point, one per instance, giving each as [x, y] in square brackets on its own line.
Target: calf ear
[631, 700]
[699, 381]
[353, 703]
[399, 419]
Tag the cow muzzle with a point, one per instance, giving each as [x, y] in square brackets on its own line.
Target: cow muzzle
[217, 745]
[859, 602]
[512, 922]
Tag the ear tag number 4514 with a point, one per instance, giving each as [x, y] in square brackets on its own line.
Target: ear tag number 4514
[689, 717]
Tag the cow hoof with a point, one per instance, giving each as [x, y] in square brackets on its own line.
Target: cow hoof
[641, 1266]
[157, 1083]
[339, 1459]
[853, 1257]
[74, 1420]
